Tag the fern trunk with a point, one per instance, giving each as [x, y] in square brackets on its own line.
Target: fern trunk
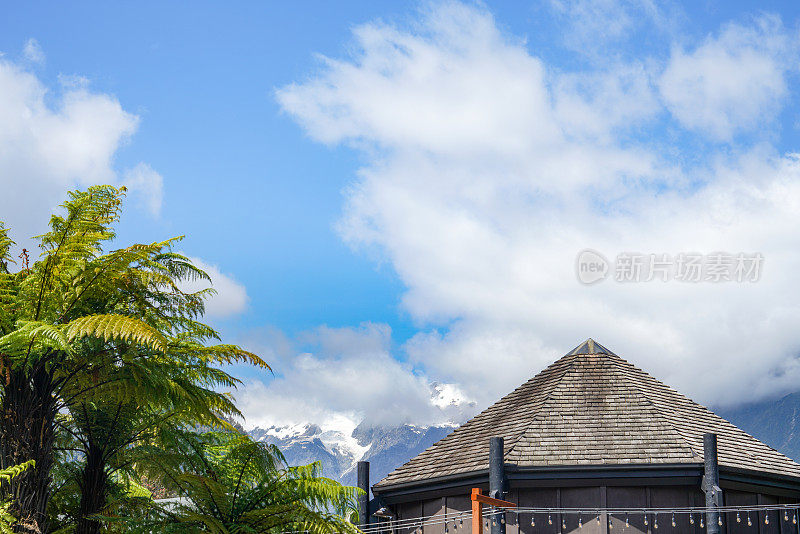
[27, 432]
[94, 489]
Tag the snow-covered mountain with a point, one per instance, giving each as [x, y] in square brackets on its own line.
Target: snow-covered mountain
[341, 444]
[384, 447]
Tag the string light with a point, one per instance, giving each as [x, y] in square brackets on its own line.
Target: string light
[649, 516]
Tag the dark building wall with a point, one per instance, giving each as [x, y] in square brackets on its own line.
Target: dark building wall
[595, 497]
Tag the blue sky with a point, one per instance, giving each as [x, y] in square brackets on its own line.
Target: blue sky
[400, 188]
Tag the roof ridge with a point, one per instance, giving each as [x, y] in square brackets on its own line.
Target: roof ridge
[684, 399]
[612, 369]
[616, 361]
[546, 398]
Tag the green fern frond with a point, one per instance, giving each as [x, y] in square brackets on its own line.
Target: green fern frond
[116, 327]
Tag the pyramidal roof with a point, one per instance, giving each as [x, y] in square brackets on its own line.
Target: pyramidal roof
[591, 408]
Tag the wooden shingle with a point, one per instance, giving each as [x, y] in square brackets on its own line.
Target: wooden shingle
[591, 407]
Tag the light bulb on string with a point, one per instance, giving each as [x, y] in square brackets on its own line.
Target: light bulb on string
[627, 521]
[701, 521]
[794, 518]
[738, 518]
[786, 515]
[645, 519]
[673, 519]
[502, 519]
[549, 520]
[691, 519]
[598, 519]
[580, 521]
[719, 519]
[563, 523]
[655, 521]
[610, 522]
[749, 523]
[533, 520]
[766, 517]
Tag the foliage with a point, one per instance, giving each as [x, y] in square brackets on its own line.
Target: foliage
[233, 485]
[7, 518]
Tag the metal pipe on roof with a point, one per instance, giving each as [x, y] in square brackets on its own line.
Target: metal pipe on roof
[710, 485]
[362, 477]
[497, 481]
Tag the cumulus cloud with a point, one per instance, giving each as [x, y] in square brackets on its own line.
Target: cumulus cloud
[57, 138]
[346, 373]
[230, 297]
[148, 183]
[33, 52]
[732, 82]
[488, 171]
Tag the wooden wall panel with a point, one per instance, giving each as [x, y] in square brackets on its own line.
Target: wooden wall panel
[512, 523]
[455, 507]
[435, 508]
[408, 511]
[738, 498]
[774, 526]
[582, 498]
[622, 497]
[539, 498]
[673, 497]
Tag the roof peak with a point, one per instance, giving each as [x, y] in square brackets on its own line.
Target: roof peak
[590, 346]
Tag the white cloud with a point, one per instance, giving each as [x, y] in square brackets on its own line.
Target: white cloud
[33, 52]
[593, 27]
[350, 374]
[733, 82]
[150, 184]
[487, 173]
[231, 296]
[56, 139]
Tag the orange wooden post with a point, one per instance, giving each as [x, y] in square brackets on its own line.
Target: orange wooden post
[477, 520]
[477, 501]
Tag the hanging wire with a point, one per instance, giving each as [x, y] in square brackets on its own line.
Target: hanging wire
[458, 517]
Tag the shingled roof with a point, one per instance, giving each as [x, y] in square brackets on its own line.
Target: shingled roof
[591, 408]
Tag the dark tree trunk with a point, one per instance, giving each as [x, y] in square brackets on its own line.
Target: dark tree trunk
[27, 432]
[94, 485]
